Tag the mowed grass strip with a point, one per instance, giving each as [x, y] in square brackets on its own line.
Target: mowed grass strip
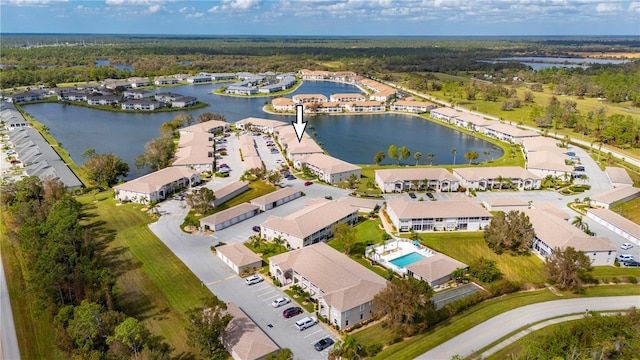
[469, 246]
[155, 286]
[417, 345]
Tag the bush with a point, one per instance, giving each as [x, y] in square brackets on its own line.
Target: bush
[632, 279]
[615, 280]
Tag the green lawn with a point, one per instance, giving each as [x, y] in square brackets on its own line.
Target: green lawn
[609, 272]
[468, 246]
[413, 347]
[308, 306]
[630, 210]
[154, 285]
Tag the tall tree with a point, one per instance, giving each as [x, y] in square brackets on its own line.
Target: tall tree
[567, 268]
[208, 116]
[200, 200]
[105, 169]
[345, 235]
[131, 333]
[512, 233]
[454, 152]
[207, 324]
[158, 154]
[393, 153]
[417, 156]
[430, 156]
[379, 157]
[404, 153]
[471, 155]
[406, 305]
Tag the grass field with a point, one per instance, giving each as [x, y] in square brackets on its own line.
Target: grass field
[155, 286]
[468, 246]
[415, 346]
[630, 210]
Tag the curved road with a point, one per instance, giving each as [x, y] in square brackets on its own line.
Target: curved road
[8, 340]
[500, 326]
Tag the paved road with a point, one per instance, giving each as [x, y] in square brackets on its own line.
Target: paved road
[8, 340]
[499, 326]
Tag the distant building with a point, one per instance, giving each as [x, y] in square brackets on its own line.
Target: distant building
[146, 105]
[455, 215]
[399, 180]
[157, 185]
[487, 178]
[618, 176]
[229, 217]
[327, 168]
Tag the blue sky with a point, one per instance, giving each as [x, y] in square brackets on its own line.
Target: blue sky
[324, 17]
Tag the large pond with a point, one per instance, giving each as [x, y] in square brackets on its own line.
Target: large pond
[353, 138]
[545, 62]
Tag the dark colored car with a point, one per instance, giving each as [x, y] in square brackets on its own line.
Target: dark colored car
[290, 177]
[323, 344]
[632, 263]
[412, 195]
[430, 196]
[256, 228]
[292, 311]
[308, 183]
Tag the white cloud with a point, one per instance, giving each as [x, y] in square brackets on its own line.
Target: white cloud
[196, 15]
[154, 8]
[607, 7]
[634, 7]
[32, 2]
[235, 5]
[184, 9]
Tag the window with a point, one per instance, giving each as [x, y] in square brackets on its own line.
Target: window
[361, 316]
[362, 307]
[347, 313]
[346, 323]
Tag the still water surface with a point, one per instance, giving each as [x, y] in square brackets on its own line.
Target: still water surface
[353, 138]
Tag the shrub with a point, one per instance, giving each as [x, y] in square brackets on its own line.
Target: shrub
[615, 280]
[632, 279]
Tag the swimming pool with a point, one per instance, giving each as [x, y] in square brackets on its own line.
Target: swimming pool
[405, 260]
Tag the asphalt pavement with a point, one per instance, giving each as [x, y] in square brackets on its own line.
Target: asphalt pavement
[9, 349]
[501, 325]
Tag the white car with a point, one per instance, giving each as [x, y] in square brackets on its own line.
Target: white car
[280, 301]
[253, 279]
[626, 246]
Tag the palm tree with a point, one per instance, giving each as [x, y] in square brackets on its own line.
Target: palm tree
[430, 157]
[417, 156]
[454, 151]
[578, 222]
[499, 179]
[277, 241]
[486, 155]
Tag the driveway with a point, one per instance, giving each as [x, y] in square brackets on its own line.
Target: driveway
[499, 326]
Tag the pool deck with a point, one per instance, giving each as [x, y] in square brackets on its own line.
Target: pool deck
[394, 249]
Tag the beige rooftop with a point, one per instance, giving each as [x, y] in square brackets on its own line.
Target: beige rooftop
[239, 254]
[435, 267]
[463, 207]
[245, 338]
[313, 217]
[156, 180]
[485, 173]
[419, 174]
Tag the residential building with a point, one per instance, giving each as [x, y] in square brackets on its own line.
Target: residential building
[11, 117]
[327, 107]
[552, 232]
[445, 114]
[198, 79]
[421, 216]
[383, 95]
[184, 101]
[137, 94]
[399, 180]
[295, 149]
[314, 223]
[146, 105]
[211, 127]
[418, 107]
[244, 339]
[344, 289]
[137, 82]
[37, 156]
[283, 84]
[167, 97]
[309, 98]
[276, 198]
[545, 157]
[283, 104]
[267, 126]
[328, 168]
[353, 97]
[222, 76]
[73, 96]
[612, 198]
[618, 176]
[24, 96]
[314, 75]
[487, 178]
[116, 83]
[365, 106]
[472, 122]
[195, 150]
[166, 80]
[616, 223]
[435, 270]
[157, 185]
[508, 133]
[229, 217]
[103, 99]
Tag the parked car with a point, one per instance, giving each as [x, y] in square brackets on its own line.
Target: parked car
[412, 195]
[308, 183]
[323, 343]
[624, 258]
[632, 263]
[274, 151]
[290, 177]
[306, 322]
[329, 197]
[256, 228]
[280, 301]
[626, 246]
[15, 162]
[292, 311]
[254, 279]
[430, 196]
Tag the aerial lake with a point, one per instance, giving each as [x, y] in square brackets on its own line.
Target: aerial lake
[353, 138]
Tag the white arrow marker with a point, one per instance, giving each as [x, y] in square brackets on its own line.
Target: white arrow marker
[299, 125]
